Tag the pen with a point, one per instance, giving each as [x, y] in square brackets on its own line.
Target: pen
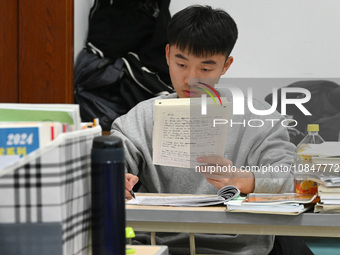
[132, 194]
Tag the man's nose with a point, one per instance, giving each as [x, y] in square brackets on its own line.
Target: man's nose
[192, 77]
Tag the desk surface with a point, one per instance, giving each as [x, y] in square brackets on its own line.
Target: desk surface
[216, 220]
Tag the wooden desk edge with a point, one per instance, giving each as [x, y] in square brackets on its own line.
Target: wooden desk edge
[222, 228]
[141, 219]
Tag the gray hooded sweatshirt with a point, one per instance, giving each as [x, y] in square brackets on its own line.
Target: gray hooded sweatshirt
[246, 146]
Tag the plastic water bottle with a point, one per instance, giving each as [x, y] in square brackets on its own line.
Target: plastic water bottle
[303, 163]
[108, 196]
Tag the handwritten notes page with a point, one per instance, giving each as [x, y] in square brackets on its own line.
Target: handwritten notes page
[181, 133]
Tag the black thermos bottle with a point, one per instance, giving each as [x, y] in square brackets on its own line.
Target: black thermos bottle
[108, 196]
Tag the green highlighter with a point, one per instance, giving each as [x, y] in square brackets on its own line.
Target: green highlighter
[129, 233]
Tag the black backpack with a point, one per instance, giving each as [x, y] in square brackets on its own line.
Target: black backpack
[117, 27]
[106, 88]
[324, 106]
[122, 63]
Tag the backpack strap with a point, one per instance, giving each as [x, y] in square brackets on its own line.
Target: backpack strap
[128, 67]
[143, 77]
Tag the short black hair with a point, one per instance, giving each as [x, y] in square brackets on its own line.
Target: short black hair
[203, 31]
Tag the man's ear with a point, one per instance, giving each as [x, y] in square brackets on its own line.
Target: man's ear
[227, 64]
[167, 53]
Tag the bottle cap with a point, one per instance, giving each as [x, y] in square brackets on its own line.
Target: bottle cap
[313, 128]
[107, 142]
[107, 149]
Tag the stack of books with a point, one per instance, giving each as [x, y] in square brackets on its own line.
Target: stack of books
[25, 128]
[326, 164]
[21, 138]
[286, 203]
[325, 170]
[63, 113]
[329, 195]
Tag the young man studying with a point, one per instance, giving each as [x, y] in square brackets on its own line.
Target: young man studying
[200, 42]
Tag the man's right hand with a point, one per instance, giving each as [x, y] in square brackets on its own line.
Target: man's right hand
[130, 181]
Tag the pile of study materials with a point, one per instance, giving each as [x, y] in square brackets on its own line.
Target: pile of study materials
[325, 159]
[25, 128]
[326, 172]
[285, 203]
[329, 193]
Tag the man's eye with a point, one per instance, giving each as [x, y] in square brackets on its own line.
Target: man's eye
[205, 69]
[181, 65]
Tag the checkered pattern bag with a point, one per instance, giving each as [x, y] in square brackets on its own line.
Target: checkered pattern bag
[52, 184]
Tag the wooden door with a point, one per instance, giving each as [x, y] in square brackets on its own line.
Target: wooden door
[40, 35]
[9, 51]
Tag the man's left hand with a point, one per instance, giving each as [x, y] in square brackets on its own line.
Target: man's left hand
[226, 174]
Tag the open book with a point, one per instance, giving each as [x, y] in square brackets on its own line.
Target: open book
[223, 195]
[182, 132]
